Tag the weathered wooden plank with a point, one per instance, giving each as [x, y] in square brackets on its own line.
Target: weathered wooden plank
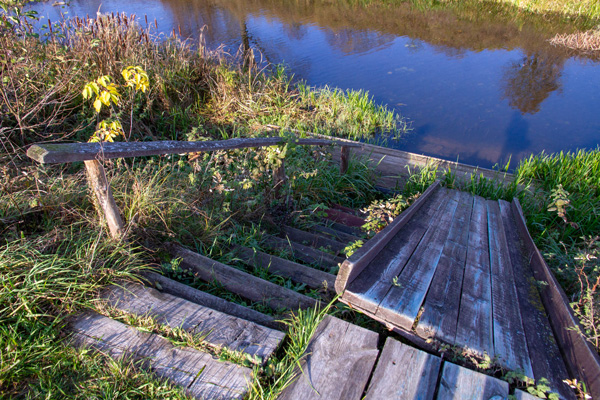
[356, 263]
[337, 363]
[188, 293]
[101, 187]
[69, 152]
[335, 234]
[510, 345]
[442, 304]
[546, 360]
[344, 159]
[474, 329]
[299, 273]
[343, 228]
[217, 329]
[581, 358]
[344, 218]
[312, 239]
[404, 372]
[199, 373]
[371, 286]
[463, 384]
[242, 283]
[402, 303]
[304, 253]
[348, 210]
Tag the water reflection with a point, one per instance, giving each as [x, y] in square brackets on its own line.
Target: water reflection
[479, 80]
[529, 81]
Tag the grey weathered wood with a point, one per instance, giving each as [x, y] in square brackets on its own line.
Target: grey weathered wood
[336, 364]
[343, 228]
[69, 152]
[279, 177]
[356, 263]
[101, 187]
[216, 328]
[335, 234]
[345, 218]
[304, 253]
[312, 239]
[344, 158]
[581, 358]
[474, 329]
[404, 372]
[442, 304]
[242, 283]
[510, 345]
[463, 384]
[369, 288]
[166, 285]
[403, 301]
[200, 374]
[546, 360]
[298, 273]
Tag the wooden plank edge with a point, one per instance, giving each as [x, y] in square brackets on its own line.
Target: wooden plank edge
[354, 265]
[166, 285]
[581, 358]
[54, 153]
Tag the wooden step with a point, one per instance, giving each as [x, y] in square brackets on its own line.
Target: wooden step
[312, 239]
[337, 364]
[348, 210]
[304, 253]
[200, 374]
[335, 234]
[342, 228]
[242, 283]
[216, 328]
[344, 218]
[166, 285]
[404, 372]
[311, 277]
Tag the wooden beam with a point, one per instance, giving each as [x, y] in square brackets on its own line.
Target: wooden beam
[69, 152]
[345, 157]
[581, 358]
[101, 187]
[362, 257]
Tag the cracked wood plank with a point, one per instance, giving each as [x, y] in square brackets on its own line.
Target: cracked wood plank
[200, 374]
[216, 328]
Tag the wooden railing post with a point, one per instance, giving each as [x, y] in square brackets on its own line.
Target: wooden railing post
[345, 156]
[101, 187]
[279, 177]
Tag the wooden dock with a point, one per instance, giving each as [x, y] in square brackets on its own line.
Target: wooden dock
[452, 270]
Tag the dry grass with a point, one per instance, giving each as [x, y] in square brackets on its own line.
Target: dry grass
[588, 41]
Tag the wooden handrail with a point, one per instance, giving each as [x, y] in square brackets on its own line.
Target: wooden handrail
[54, 153]
[92, 153]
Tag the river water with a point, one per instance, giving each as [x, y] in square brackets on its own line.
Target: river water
[478, 82]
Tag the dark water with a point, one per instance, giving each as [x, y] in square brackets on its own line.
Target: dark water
[479, 83]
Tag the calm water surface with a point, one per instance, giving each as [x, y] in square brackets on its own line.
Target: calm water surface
[478, 83]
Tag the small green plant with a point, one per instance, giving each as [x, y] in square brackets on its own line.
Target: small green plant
[352, 247]
[381, 212]
[106, 93]
[560, 202]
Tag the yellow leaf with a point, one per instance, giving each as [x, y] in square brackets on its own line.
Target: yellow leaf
[97, 105]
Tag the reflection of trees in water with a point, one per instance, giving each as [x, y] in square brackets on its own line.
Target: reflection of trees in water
[528, 82]
[352, 41]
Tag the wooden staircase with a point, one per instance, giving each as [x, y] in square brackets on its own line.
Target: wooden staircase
[219, 323]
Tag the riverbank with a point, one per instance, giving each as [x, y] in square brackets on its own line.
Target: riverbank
[55, 258]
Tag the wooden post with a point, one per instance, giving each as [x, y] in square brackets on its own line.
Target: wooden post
[101, 187]
[279, 177]
[344, 159]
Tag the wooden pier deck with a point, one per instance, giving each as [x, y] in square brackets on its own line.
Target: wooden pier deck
[455, 272]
